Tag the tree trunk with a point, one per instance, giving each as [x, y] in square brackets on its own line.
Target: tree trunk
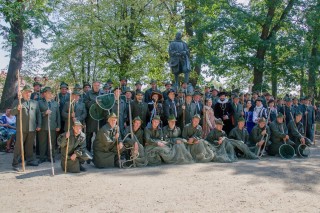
[10, 86]
[274, 82]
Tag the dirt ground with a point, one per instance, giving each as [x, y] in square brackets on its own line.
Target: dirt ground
[267, 185]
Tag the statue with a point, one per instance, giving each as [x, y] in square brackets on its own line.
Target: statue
[179, 59]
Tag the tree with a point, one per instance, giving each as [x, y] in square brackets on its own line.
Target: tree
[21, 16]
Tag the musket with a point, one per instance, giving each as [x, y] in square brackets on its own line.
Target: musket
[184, 110]
[68, 139]
[20, 118]
[50, 145]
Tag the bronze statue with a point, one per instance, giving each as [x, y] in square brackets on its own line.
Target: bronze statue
[179, 58]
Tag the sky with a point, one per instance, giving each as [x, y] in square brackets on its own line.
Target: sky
[37, 44]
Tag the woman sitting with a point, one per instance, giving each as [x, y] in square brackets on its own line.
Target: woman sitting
[8, 129]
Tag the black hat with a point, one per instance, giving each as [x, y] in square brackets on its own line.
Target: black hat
[63, 85]
[123, 79]
[86, 84]
[139, 92]
[167, 83]
[221, 93]
[138, 83]
[37, 84]
[109, 81]
[153, 81]
[171, 90]
[258, 99]
[77, 86]
[197, 93]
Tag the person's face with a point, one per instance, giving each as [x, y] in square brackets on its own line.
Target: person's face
[171, 95]
[196, 98]
[171, 124]
[37, 79]
[63, 91]
[36, 88]
[219, 127]
[112, 122]
[280, 120]
[48, 95]
[184, 85]
[207, 90]
[195, 122]
[153, 85]
[298, 118]
[155, 97]
[77, 129]
[168, 86]
[86, 88]
[222, 97]
[155, 123]
[295, 101]
[188, 99]
[136, 124]
[255, 96]
[138, 86]
[214, 93]
[288, 103]
[209, 103]
[262, 125]
[249, 104]
[123, 82]
[258, 103]
[75, 98]
[139, 97]
[241, 124]
[26, 95]
[96, 86]
[236, 100]
[117, 93]
[271, 104]
[8, 112]
[128, 95]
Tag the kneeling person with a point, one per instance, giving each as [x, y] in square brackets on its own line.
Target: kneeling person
[105, 149]
[259, 137]
[77, 153]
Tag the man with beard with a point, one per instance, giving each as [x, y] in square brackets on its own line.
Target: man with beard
[223, 110]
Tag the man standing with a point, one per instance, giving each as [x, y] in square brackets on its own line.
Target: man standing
[186, 111]
[170, 107]
[91, 124]
[237, 110]
[62, 98]
[223, 110]
[140, 108]
[166, 91]
[31, 122]
[49, 110]
[148, 93]
[36, 91]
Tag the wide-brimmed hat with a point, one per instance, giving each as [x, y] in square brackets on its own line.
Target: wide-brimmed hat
[157, 93]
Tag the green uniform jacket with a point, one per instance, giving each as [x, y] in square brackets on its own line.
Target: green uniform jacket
[104, 147]
[255, 135]
[138, 134]
[152, 137]
[171, 135]
[190, 132]
[278, 132]
[141, 110]
[89, 99]
[31, 116]
[238, 134]
[77, 145]
[80, 111]
[293, 129]
[55, 121]
[214, 135]
[237, 110]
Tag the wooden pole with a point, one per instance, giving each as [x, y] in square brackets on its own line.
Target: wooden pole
[20, 129]
[69, 118]
[118, 150]
[50, 145]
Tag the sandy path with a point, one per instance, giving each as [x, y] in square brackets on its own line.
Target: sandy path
[271, 184]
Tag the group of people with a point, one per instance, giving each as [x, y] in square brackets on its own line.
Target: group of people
[174, 126]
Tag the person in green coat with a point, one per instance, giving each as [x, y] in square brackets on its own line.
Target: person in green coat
[105, 149]
[136, 155]
[78, 110]
[279, 135]
[259, 135]
[77, 153]
[199, 148]
[31, 122]
[49, 110]
[296, 132]
[237, 110]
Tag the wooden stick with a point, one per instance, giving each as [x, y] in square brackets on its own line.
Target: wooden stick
[69, 118]
[118, 150]
[50, 145]
[20, 129]
[314, 127]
